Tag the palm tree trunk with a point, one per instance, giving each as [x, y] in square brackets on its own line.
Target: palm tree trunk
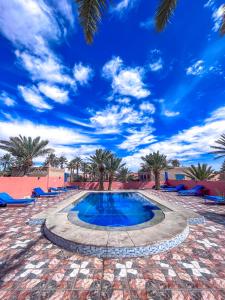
[110, 182]
[101, 181]
[157, 180]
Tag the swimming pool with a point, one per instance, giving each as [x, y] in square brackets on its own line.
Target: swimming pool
[114, 209]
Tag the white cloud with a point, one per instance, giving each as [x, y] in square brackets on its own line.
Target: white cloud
[24, 22]
[82, 73]
[32, 96]
[209, 3]
[187, 144]
[138, 138]
[45, 67]
[147, 107]
[156, 66]
[57, 135]
[123, 100]
[122, 6]
[6, 99]
[53, 92]
[125, 81]
[217, 16]
[113, 117]
[62, 139]
[148, 24]
[196, 69]
[169, 113]
[156, 62]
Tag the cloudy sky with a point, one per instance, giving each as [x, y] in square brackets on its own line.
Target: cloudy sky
[133, 91]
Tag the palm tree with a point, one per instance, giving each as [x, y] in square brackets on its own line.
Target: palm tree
[84, 169]
[156, 162]
[175, 163]
[201, 172]
[52, 160]
[222, 169]
[6, 162]
[123, 174]
[220, 149]
[99, 158]
[71, 166]
[90, 14]
[92, 170]
[113, 164]
[25, 149]
[62, 161]
[77, 162]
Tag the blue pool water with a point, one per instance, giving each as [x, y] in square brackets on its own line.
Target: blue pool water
[115, 209]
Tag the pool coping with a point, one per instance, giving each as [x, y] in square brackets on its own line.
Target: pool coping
[167, 234]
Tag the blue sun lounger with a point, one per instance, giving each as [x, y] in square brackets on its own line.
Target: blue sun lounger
[195, 191]
[177, 188]
[38, 192]
[7, 199]
[2, 203]
[59, 189]
[216, 199]
[73, 187]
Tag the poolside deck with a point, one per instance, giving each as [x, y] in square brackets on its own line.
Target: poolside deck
[31, 267]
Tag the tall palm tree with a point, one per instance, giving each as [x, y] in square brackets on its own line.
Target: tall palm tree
[6, 162]
[113, 164]
[71, 166]
[92, 170]
[25, 149]
[156, 162]
[62, 161]
[52, 160]
[222, 169]
[220, 149]
[123, 174]
[99, 158]
[90, 14]
[174, 162]
[201, 172]
[77, 162]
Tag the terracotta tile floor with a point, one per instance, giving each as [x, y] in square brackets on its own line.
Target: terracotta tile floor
[33, 268]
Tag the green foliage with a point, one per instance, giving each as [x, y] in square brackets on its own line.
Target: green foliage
[222, 169]
[90, 14]
[100, 159]
[220, 149]
[201, 172]
[174, 163]
[25, 149]
[113, 164]
[123, 174]
[156, 163]
[164, 12]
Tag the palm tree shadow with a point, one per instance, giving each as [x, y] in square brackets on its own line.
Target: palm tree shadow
[15, 261]
[218, 218]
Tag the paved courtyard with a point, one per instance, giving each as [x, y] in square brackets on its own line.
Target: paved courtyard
[31, 267]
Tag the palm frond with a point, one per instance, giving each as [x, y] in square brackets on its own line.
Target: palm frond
[222, 27]
[90, 14]
[164, 12]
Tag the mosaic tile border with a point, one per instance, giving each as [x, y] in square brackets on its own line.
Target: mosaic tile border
[116, 252]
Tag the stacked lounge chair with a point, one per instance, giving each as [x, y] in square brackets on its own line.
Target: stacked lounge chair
[215, 199]
[38, 192]
[179, 187]
[195, 191]
[58, 189]
[8, 200]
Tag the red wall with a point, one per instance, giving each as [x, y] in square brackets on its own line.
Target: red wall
[115, 185]
[212, 187]
[23, 186]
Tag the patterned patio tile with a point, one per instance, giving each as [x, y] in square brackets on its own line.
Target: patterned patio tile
[31, 267]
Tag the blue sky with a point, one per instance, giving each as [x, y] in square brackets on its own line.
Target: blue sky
[133, 91]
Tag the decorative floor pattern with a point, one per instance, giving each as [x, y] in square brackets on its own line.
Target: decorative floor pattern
[33, 268]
